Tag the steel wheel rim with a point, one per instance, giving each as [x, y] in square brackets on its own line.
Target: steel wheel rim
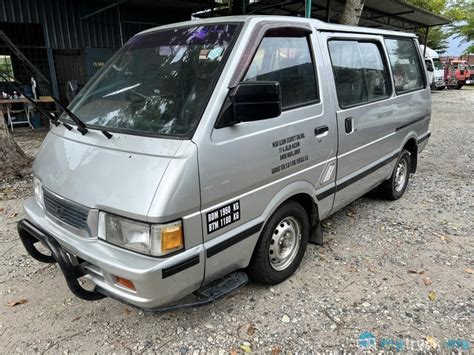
[285, 243]
[401, 174]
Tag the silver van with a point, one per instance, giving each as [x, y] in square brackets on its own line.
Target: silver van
[206, 151]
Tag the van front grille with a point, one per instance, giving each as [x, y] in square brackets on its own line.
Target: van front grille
[66, 211]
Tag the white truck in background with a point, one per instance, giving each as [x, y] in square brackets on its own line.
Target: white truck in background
[435, 68]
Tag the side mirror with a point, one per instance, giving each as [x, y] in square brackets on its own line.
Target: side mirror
[251, 101]
[429, 66]
[256, 100]
[72, 87]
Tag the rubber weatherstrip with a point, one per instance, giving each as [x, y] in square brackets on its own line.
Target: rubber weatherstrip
[326, 193]
[410, 123]
[366, 172]
[421, 140]
[233, 240]
[169, 271]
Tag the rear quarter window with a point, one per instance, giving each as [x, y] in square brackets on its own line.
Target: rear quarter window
[405, 62]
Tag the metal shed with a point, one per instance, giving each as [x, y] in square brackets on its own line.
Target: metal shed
[72, 39]
[387, 14]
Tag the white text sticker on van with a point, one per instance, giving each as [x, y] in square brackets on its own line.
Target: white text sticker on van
[223, 216]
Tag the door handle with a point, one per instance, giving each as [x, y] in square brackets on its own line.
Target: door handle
[321, 131]
[348, 125]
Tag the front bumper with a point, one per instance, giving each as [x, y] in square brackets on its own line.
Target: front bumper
[439, 83]
[157, 281]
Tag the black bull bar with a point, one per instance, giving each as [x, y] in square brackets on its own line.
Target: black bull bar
[30, 235]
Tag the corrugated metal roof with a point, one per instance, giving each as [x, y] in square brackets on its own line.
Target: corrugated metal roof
[386, 14]
[407, 11]
[64, 27]
[185, 5]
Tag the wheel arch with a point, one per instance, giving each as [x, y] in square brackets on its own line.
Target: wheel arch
[411, 145]
[299, 191]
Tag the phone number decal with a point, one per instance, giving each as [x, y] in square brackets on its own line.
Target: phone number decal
[223, 216]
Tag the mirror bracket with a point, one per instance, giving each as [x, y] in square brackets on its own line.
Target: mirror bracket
[226, 117]
[250, 101]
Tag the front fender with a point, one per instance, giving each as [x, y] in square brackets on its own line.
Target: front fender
[290, 190]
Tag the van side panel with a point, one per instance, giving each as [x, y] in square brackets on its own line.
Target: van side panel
[367, 153]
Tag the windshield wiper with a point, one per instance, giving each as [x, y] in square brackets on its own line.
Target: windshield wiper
[81, 126]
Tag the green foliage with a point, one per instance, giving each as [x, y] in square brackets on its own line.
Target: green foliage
[461, 12]
[6, 69]
[455, 10]
[437, 38]
[463, 28]
[436, 6]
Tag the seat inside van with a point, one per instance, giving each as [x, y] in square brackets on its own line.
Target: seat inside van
[351, 87]
[289, 78]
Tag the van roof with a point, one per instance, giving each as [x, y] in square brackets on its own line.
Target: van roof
[319, 25]
[429, 53]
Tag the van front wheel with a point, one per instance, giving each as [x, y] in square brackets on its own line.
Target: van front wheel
[281, 245]
[394, 187]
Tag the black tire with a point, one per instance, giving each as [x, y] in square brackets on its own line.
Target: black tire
[389, 188]
[260, 268]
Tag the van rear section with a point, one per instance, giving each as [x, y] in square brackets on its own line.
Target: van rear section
[229, 141]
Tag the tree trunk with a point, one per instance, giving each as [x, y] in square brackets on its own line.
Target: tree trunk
[13, 161]
[352, 11]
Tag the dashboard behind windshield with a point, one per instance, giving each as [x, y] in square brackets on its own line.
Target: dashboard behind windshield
[159, 82]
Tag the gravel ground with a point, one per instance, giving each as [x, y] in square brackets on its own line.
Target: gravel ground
[401, 270]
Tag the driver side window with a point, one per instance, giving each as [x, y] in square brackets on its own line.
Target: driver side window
[288, 60]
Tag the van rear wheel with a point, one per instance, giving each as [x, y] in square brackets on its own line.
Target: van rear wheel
[281, 246]
[395, 186]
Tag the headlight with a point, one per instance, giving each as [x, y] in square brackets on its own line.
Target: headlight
[38, 188]
[151, 239]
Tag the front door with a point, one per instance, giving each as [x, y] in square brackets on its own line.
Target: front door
[243, 168]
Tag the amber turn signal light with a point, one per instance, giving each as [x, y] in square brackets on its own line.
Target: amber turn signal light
[172, 238]
[125, 283]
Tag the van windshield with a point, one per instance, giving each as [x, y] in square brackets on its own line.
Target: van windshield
[438, 64]
[158, 83]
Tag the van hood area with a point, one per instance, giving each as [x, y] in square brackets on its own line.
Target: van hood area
[120, 175]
